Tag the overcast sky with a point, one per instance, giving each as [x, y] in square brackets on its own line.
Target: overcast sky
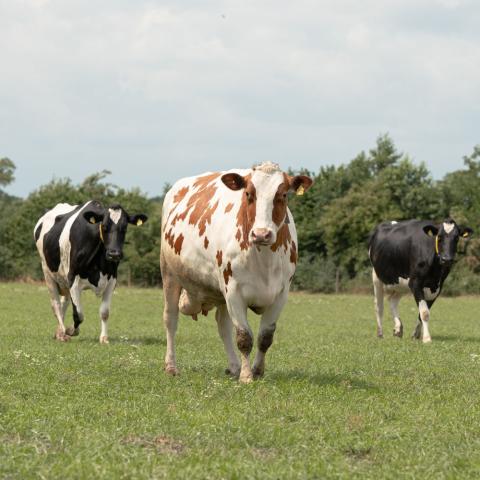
[154, 91]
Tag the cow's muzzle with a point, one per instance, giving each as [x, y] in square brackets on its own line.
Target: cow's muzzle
[114, 255]
[262, 236]
[446, 261]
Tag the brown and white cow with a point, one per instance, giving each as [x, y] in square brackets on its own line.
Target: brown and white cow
[229, 241]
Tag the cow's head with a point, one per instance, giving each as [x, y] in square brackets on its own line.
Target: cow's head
[265, 198]
[111, 225]
[446, 239]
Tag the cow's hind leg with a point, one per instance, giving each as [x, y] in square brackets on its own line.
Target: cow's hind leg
[58, 307]
[225, 330]
[171, 294]
[268, 325]
[397, 323]
[378, 294]
[417, 333]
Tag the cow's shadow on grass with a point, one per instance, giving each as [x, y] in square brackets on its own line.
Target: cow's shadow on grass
[320, 379]
[455, 338]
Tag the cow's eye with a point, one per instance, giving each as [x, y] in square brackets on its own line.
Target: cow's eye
[284, 195]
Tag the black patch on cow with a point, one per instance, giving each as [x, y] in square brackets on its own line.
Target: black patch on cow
[51, 240]
[77, 320]
[38, 230]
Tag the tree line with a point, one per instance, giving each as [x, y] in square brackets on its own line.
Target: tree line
[333, 219]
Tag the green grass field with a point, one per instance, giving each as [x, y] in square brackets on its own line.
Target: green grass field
[335, 401]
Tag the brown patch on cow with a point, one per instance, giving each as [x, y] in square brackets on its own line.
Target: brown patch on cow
[283, 238]
[227, 273]
[205, 218]
[244, 341]
[228, 207]
[169, 237]
[219, 258]
[178, 244]
[180, 195]
[205, 180]
[246, 214]
[205, 243]
[279, 211]
[293, 253]
[198, 204]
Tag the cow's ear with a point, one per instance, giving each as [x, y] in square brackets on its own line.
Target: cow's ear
[430, 230]
[234, 181]
[138, 219]
[300, 184]
[92, 216]
[465, 232]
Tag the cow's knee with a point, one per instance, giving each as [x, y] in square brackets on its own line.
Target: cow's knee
[244, 341]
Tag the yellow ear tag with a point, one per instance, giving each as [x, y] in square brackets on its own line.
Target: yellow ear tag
[465, 235]
[139, 222]
[300, 190]
[92, 220]
[430, 233]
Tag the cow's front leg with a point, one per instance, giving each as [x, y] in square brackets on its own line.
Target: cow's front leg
[423, 311]
[224, 324]
[237, 310]
[75, 296]
[105, 309]
[268, 325]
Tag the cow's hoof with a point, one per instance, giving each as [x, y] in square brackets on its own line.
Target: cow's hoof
[427, 340]
[398, 334]
[171, 370]
[232, 372]
[246, 378]
[62, 337]
[379, 335]
[72, 331]
[104, 340]
[258, 373]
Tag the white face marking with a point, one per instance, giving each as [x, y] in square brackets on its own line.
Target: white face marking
[266, 187]
[394, 222]
[115, 214]
[448, 227]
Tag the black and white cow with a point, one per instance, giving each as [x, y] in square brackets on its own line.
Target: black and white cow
[412, 256]
[80, 247]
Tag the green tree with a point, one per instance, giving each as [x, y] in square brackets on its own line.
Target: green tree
[7, 169]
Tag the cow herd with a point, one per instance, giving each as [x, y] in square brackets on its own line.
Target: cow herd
[229, 242]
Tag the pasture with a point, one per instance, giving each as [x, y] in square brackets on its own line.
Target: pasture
[335, 402]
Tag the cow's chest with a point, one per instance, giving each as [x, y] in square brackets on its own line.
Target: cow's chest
[98, 287]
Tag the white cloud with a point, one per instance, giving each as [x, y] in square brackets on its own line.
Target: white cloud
[158, 91]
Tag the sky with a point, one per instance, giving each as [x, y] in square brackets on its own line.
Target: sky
[155, 91]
